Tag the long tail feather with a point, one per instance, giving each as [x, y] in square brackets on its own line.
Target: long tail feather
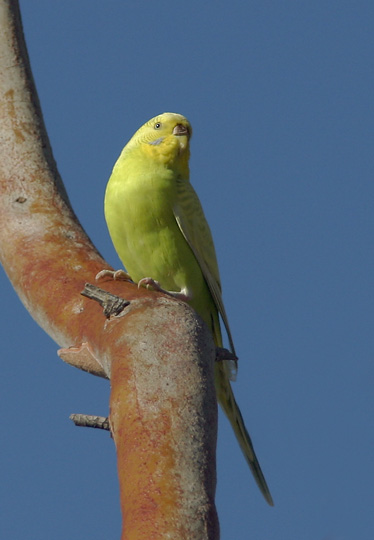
[227, 401]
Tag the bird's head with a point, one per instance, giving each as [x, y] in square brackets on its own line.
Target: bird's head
[165, 139]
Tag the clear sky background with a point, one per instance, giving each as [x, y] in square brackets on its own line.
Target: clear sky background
[280, 97]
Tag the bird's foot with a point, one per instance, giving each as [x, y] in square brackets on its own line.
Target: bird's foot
[117, 275]
[150, 283]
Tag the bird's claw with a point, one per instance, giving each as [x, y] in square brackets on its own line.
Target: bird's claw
[150, 283]
[116, 275]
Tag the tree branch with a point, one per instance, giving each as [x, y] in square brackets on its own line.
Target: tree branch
[112, 304]
[88, 420]
[159, 356]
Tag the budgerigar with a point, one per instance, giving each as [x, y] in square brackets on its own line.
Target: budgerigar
[159, 231]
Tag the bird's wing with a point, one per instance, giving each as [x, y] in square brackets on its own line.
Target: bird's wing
[191, 221]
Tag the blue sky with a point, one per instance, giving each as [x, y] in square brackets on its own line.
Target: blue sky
[280, 97]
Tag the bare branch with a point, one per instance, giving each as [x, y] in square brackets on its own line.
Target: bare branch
[87, 420]
[112, 304]
[160, 356]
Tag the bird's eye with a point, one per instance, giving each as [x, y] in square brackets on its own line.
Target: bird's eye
[158, 125]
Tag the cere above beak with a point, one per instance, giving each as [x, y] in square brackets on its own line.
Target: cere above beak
[180, 129]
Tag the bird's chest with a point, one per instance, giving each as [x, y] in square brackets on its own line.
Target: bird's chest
[148, 207]
[149, 238]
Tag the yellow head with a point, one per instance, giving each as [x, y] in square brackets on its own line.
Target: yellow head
[164, 139]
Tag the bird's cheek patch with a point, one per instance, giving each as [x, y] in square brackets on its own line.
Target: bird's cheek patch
[157, 141]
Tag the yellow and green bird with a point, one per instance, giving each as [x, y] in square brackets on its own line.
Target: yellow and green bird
[159, 230]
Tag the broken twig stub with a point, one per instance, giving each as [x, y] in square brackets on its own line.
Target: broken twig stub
[111, 304]
[88, 420]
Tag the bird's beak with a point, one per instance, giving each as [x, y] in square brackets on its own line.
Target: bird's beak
[180, 129]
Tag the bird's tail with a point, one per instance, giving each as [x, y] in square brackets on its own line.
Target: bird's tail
[227, 401]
